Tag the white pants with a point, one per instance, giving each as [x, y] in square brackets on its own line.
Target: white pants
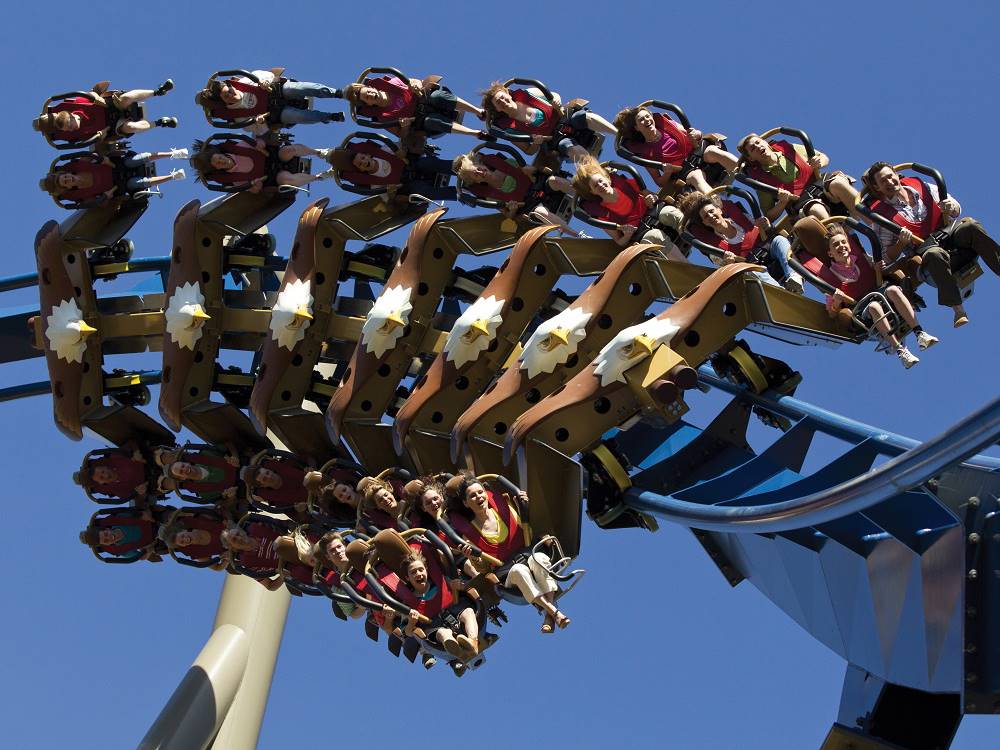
[532, 580]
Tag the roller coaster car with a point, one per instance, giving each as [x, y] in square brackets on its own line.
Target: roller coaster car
[199, 310]
[204, 474]
[324, 505]
[274, 481]
[68, 330]
[556, 123]
[100, 118]
[933, 228]
[502, 305]
[671, 119]
[399, 326]
[266, 163]
[197, 521]
[269, 100]
[114, 475]
[391, 549]
[306, 316]
[129, 535]
[106, 174]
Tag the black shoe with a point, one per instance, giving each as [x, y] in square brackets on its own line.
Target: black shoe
[164, 87]
[166, 122]
[485, 135]
[335, 117]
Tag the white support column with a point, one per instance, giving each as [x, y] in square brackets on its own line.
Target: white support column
[261, 614]
[224, 693]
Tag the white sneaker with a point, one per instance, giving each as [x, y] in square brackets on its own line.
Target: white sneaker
[177, 174]
[925, 340]
[178, 153]
[324, 153]
[327, 175]
[906, 357]
[794, 283]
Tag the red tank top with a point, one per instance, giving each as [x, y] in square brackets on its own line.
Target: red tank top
[628, 206]
[402, 101]
[93, 118]
[516, 539]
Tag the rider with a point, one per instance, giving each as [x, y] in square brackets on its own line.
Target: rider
[787, 167]
[198, 536]
[422, 105]
[240, 98]
[78, 118]
[502, 179]
[379, 506]
[400, 171]
[427, 591]
[533, 115]
[656, 137]
[846, 267]
[236, 163]
[946, 245]
[726, 225]
[496, 528]
[117, 474]
[211, 474]
[85, 180]
[130, 536]
[620, 198]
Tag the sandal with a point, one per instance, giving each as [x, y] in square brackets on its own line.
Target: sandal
[562, 620]
[468, 646]
[547, 624]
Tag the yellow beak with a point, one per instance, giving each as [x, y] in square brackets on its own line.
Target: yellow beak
[641, 345]
[86, 330]
[558, 336]
[477, 329]
[200, 314]
[392, 322]
[303, 313]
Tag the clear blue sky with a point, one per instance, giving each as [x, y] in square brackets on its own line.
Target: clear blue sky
[661, 650]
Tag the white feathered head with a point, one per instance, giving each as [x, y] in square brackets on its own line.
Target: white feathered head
[186, 315]
[66, 331]
[554, 341]
[630, 347]
[292, 314]
[474, 330]
[385, 321]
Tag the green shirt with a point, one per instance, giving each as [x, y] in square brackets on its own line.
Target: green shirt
[785, 171]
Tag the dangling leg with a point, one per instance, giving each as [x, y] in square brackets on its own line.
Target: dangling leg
[717, 155]
[696, 179]
[598, 124]
[902, 306]
[134, 126]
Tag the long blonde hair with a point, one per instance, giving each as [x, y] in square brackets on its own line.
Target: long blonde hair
[587, 167]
